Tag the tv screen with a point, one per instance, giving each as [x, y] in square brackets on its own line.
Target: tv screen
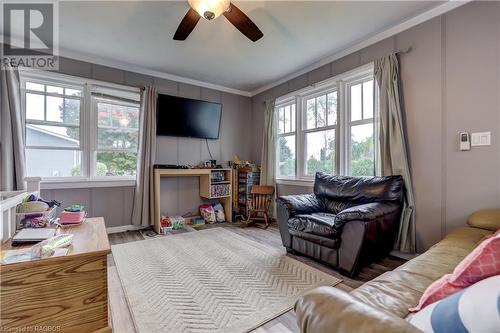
[177, 116]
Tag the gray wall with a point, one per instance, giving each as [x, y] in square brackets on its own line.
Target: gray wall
[179, 195]
[451, 83]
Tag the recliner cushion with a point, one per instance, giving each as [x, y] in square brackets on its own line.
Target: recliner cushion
[320, 224]
[358, 190]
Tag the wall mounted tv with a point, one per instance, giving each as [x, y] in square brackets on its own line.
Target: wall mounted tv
[177, 116]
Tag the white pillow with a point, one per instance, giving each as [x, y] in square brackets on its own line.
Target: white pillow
[475, 309]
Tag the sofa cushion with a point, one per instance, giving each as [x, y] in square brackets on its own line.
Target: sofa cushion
[358, 189]
[397, 291]
[485, 219]
[459, 312]
[320, 224]
[481, 263]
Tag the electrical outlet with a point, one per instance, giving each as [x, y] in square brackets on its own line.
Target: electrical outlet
[481, 139]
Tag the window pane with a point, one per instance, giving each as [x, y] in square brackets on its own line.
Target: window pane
[332, 108]
[293, 117]
[72, 92]
[55, 90]
[65, 110]
[117, 139]
[53, 163]
[116, 164]
[356, 102]
[320, 152]
[288, 121]
[362, 152]
[281, 120]
[52, 136]
[368, 100]
[34, 86]
[311, 113]
[55, 108]
[71, 113]
[286, 155]
[35, 105]
[321, 110]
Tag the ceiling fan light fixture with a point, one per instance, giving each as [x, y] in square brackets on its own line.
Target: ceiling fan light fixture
[210, 9]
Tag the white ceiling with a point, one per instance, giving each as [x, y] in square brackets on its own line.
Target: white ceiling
[296, 34]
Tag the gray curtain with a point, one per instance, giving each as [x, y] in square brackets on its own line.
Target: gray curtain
[268, 153]
[394, 157]
[12, 163]
[142, 211]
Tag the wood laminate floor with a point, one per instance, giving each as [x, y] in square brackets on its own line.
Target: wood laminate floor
[120, 314]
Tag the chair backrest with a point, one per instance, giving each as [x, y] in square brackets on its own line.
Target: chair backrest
[358, 189]
[262, 196]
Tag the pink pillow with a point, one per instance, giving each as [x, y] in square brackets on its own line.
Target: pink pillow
[481, 263]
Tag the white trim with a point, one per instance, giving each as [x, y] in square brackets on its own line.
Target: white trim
[296, 182]
[146, 71]
[122, 228]
[71, 184]
[405, 25]
[42, 76]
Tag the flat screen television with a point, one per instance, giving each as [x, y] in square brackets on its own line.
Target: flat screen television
[177, 116]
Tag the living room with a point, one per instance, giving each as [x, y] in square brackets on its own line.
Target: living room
[267, 166]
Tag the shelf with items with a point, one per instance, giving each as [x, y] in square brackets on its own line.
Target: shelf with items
[208, 179]
[246, 178]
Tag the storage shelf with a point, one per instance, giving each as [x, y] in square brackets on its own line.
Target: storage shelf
[221, 182]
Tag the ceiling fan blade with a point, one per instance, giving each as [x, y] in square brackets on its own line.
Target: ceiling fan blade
[187, 25]
[243, 23]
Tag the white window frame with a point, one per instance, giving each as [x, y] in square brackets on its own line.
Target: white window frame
[283, 103]
[88, 129]
[341, 84]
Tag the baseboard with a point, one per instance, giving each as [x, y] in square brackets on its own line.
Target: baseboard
[122, 228]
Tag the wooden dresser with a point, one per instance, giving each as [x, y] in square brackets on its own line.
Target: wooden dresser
[59, 294]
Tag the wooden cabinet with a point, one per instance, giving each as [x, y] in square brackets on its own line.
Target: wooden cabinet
[59, 294]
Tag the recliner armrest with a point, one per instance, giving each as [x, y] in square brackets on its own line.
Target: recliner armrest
[328, 309]
[368, 212]
[301, 204]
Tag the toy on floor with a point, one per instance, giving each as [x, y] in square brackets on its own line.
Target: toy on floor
[208, 213]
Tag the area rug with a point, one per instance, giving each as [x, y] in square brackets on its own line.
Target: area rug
[210, 281]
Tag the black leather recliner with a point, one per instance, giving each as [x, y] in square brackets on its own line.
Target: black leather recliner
[346, 223]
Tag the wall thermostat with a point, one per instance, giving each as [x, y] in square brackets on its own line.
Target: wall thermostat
[464, 141]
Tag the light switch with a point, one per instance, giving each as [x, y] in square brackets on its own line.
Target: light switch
[481, 139]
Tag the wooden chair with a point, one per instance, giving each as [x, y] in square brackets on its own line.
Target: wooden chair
[260, 204]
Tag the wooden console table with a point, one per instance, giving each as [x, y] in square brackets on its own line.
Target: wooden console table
[206, 184]
[59, 294]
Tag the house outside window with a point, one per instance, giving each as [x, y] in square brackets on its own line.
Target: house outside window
[329, 127]
[79, 130]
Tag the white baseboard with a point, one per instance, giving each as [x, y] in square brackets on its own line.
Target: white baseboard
[122, 228]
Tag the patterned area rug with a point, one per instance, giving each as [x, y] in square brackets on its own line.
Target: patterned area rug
[210, 281]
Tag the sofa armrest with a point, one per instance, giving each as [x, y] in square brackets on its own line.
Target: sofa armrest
[485, 219]
[301, 204]
[328, 309]
[368, 212]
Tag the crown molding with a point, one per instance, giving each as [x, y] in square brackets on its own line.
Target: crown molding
[405, 25]
[146, 71]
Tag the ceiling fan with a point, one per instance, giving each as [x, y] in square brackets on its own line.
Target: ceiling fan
[211, 9]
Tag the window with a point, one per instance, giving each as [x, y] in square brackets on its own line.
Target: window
[286, 139]
[328, 128]
[78, 129]
[361, 152]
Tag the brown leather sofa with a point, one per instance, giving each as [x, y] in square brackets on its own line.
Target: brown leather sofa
[347, 222]
[381, 305]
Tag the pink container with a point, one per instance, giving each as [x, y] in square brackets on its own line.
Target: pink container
[71, 217]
